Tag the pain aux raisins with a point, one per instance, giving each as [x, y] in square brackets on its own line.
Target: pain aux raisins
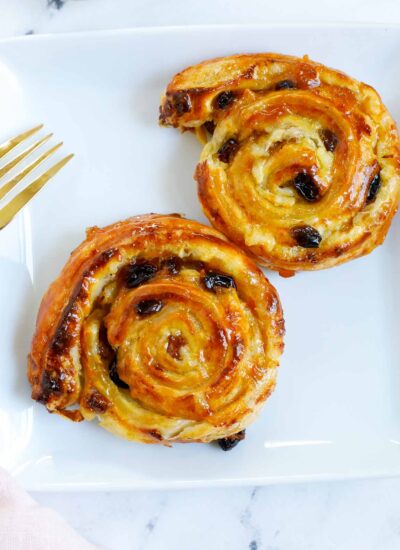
[137, 274]
[306, 187]
[224, 99]
[228, 443]
[306, 236]
[212, 280]
[373, 188]
[228, 150]
[148, 307]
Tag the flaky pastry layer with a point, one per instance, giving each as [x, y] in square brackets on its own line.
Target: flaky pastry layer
[300, 165]
[161, 329]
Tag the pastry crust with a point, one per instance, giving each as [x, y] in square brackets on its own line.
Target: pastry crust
[296, 145]
[161, 329]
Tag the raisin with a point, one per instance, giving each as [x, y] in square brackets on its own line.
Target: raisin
[228, 150]
[209, 125]
[224, 99]
[306, 236]
[147, 307]
[105, 350]
[97, 402]
[228, 443]
[113, 371]
[182, 102]
[216, 279]
[165, 110]
[173, 265]
[306, 187]
[137, 274]
[285, 85]
[373, 188]
[329, 139]
[175, 343]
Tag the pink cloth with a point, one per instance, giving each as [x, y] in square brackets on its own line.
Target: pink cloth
[24, 525]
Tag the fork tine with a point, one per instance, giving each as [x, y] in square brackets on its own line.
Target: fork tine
[16, 179]
[19, 201]
[9, 145]
[24, 154]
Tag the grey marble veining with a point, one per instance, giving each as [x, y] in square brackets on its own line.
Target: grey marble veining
[20, 16]
[58, 4]
[353, 515]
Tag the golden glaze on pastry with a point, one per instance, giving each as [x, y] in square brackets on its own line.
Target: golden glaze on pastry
[162, 329]
[302, 164]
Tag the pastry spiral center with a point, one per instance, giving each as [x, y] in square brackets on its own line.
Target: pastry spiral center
[176, 340]
[290, 154]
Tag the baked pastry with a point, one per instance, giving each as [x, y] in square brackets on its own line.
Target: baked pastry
[301, 162]
[161, 329]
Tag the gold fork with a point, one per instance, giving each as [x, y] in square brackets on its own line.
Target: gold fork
[8, 211]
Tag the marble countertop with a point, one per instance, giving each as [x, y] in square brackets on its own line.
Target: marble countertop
[342, 515]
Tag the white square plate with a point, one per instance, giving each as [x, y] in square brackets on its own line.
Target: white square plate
[336, 410]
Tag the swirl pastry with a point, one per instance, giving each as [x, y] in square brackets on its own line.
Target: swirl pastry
[161, 329]
[301, 164]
